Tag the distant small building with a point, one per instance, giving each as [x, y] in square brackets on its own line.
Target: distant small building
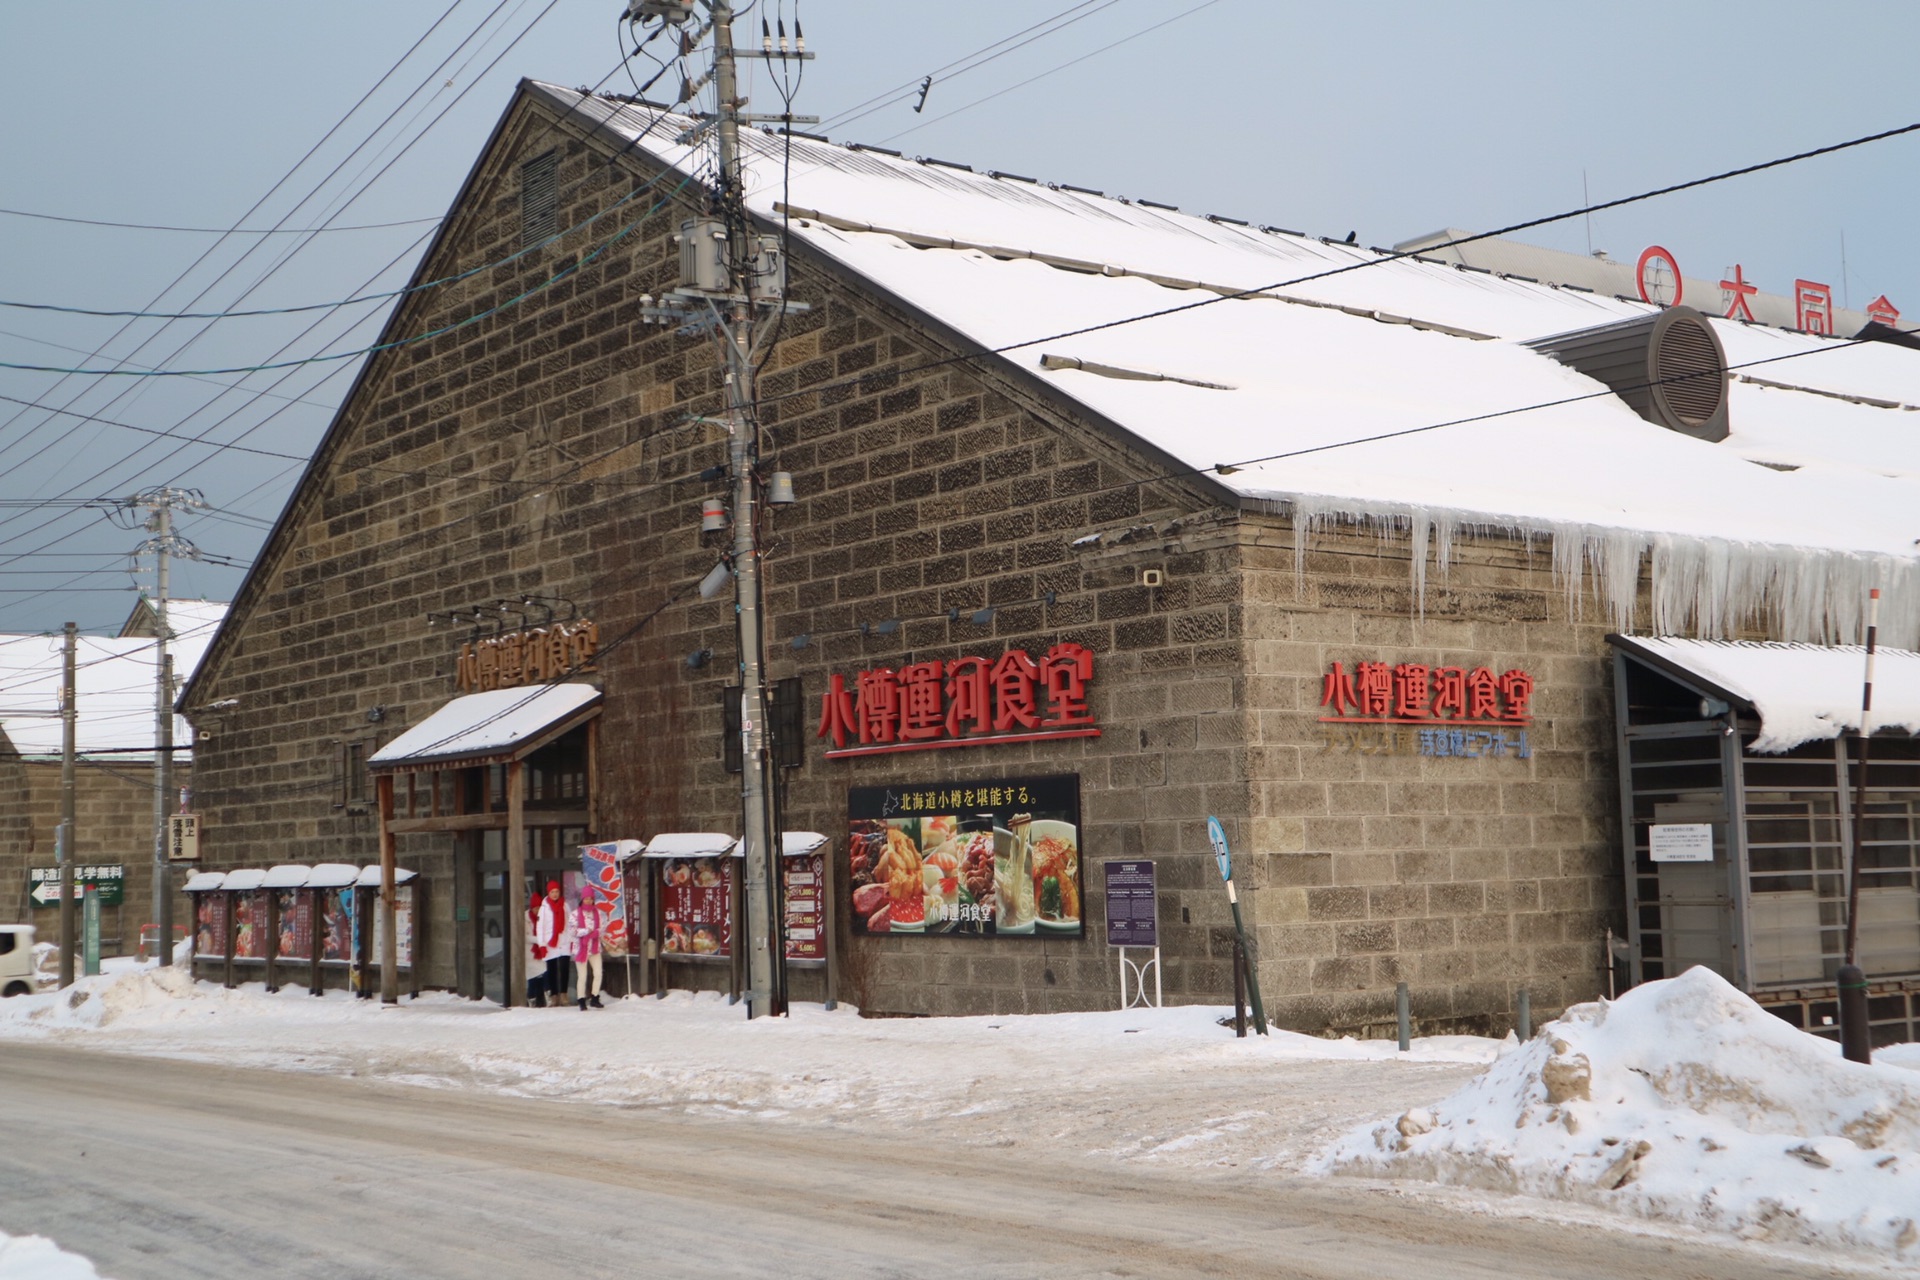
[115, 692]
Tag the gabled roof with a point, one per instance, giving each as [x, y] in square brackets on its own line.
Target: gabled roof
[1814, 497]
[483, 728]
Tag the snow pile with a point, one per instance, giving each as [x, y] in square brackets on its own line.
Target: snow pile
[1682, 1101]
[38, 1258]
[111, 997]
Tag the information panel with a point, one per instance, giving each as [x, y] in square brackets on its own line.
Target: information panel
[1133, 916]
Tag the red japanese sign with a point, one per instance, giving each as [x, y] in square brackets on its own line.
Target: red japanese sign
[1417, 693]
[965, 702]
[1813, 307]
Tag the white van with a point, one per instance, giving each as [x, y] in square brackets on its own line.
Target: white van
[17, 974]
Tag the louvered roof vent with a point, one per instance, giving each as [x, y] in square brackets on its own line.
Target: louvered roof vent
[1669, 367]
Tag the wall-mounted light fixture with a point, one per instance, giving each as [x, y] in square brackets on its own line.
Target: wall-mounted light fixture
[981, 617]
[698, 659]
[800, 641]
[885, 628]
[716, 579]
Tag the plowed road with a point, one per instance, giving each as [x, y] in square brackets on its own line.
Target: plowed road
[158, 1169]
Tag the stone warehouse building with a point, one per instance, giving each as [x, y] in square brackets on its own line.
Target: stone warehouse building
[1330, 548]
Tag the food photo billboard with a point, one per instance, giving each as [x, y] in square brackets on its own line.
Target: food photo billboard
[982, 859]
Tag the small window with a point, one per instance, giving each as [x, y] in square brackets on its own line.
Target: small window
[539, 198]
[355, 790]
[6, 944]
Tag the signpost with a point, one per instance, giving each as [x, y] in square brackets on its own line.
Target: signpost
[183, 837]
[108, 881]
[1217, 835]
[91, 929]
[1133, 920]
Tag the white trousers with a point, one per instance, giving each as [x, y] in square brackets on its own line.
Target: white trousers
[580, 968]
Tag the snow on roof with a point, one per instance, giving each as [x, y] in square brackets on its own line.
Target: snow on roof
[371, 875]
[1313, 369]
[1801, 692]
[288, 875]
[690, 844]
[201, 881]
[482, 723]
[331, 875]
[114, 685]
[246, 878]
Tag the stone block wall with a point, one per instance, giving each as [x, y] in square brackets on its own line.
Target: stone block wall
[555, 449]
[1470, 879]
[113, 818]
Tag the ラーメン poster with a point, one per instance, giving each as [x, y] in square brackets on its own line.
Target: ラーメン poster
[992, 858]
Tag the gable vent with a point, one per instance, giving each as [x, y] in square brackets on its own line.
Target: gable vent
[1668, 367]
[539, 198]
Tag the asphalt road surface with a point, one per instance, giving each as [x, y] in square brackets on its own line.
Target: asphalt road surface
[158, 1170]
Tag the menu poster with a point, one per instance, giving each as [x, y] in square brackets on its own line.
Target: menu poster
[295, 908]
[604, 885]
[250, 925]
[210, 926]
[806, 879]
[402, 928]
[696, 906]
[336, 923]
[995, 858]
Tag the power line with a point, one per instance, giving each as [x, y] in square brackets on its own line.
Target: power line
[218, 231]
[514, 301]
[1205, 4]
[879, 101]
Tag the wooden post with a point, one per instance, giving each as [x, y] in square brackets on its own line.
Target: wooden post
[389, 941]
[516, 932]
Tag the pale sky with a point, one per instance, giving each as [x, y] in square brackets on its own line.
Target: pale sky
[1389, 120]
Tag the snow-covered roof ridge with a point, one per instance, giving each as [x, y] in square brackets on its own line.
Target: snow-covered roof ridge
[491, 721]
[1801, 692]
[1327, 415]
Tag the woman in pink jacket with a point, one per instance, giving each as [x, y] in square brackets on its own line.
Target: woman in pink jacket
[586, 950]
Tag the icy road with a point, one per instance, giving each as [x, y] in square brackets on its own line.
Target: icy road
[159, 1169]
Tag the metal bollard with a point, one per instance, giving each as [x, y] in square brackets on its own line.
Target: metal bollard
[1404, 1014]
[1856, 1035]
[1523, 1021]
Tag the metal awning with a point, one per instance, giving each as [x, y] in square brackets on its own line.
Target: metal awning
[489, 728]
[1799, 692]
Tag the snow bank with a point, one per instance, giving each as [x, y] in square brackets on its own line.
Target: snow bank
[38, 1258]
[1683, 1101]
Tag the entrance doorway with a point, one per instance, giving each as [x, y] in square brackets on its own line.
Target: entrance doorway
[553, 853]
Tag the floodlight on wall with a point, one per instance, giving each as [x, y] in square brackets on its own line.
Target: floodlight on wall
[981, 617]
[885, 628]
[780, 489]
[716, 580]
[713, 515]
[698, 659]
[800, 641]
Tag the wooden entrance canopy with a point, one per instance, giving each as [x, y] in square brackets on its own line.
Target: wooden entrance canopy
[497, 727]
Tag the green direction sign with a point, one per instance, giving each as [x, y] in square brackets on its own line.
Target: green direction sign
[108, 879]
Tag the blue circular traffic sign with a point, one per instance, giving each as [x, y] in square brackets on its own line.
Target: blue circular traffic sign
[1217, 836]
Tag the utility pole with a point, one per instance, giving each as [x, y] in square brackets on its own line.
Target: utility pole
[63, 838]
[736, 288]
[165, 544]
